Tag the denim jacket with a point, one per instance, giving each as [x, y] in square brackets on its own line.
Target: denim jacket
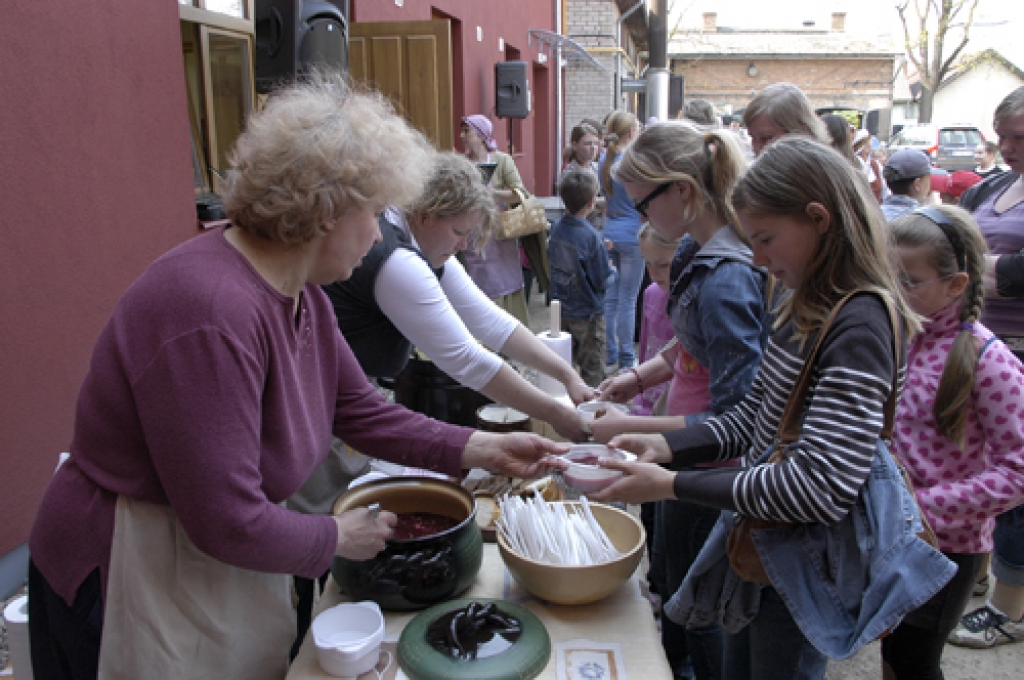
[720, 315]
[579, 268]
[844, 584]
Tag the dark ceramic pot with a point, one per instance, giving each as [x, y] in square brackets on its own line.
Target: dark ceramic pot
[418, 572]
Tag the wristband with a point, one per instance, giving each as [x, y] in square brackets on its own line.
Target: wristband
[639, 383]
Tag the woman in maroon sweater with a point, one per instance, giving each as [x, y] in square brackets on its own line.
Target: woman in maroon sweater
[213, 393]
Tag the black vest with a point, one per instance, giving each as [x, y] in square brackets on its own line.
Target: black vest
[379, 346]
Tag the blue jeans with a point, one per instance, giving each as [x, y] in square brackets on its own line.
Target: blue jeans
[620, 303]
[772, 647]
[680, 531]
[1008, 554]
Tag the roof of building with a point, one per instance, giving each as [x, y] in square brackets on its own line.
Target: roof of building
[781, 44]
[968, 62]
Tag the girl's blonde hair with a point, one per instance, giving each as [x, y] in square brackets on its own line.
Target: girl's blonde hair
[318, 149]
[455, 187]
[649, 234]
[618, 124]
[853, 254]
[676, 151]
[787, 106]
[915, 230]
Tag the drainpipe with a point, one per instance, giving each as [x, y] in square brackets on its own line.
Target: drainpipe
[559, 104]
[618, 54]
[657, 72]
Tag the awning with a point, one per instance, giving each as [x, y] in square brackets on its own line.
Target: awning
[571, 50]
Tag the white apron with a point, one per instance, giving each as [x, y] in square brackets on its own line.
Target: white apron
[172, 611]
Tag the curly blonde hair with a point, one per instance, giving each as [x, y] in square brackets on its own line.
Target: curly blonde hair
[455, 187]
[318, 149]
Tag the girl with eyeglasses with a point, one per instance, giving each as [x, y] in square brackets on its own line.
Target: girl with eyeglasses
[680, 178]
[959, 425]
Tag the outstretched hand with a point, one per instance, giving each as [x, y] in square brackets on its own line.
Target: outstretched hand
[620, 388]
[580, 391]
[517, 454]
[608, 424]
[649, 448]
[567, 423]
[640, 483]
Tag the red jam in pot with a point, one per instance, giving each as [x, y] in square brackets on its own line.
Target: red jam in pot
[421, 524]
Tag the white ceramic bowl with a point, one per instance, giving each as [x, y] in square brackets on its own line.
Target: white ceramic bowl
[348, 638]
[583, 473]
[589, 410]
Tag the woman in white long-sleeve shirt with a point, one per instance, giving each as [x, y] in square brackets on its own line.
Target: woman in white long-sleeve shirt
[410, 290]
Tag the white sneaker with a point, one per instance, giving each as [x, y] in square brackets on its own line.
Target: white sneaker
[985, 627]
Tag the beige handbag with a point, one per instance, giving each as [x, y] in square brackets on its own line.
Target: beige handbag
[172, 611]
[525, 218]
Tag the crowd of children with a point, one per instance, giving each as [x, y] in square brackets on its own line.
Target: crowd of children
[745, 266]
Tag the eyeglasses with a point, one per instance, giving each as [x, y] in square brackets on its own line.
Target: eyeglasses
[642, 205]
[913, 285]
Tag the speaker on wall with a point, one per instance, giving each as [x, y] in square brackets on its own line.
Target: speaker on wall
[293, 36]
[511, 89]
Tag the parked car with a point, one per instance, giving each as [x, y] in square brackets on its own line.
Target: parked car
[950, 146]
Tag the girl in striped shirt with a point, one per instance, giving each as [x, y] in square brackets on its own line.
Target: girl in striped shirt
[814, 224]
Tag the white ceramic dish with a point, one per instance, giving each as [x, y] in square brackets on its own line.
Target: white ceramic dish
[589, 410]
[348, 638]
[583, 473]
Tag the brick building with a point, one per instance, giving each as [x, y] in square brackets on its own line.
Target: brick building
[728, 66]
[590, 91]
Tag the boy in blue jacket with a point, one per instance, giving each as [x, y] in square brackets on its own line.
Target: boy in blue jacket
[580, 272]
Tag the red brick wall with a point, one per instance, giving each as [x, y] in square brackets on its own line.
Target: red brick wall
[827, 82]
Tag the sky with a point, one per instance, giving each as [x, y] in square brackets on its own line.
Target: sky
[998, 24]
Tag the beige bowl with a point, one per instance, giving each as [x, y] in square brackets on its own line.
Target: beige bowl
[582, 585]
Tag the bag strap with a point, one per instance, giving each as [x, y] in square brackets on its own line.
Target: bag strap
[792, 416]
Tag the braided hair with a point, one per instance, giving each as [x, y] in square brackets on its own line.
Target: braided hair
[956, 246]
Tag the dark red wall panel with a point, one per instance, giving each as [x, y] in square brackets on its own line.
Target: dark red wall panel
[95, 182]
[510, 21]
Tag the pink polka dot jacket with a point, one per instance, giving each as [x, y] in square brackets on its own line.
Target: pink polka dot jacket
[962, 490]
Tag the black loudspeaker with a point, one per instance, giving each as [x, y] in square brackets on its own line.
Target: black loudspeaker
[511, 89]
[293, 36]
[675, 96]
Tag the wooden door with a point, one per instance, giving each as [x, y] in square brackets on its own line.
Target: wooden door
[411, 63]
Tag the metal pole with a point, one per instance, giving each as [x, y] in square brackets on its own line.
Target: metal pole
[658, 75]
[618, 53]
[559, 103]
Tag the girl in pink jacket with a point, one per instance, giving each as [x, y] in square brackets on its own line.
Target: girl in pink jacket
[960, 422]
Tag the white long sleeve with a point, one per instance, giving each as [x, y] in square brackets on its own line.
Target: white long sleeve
[444, 319]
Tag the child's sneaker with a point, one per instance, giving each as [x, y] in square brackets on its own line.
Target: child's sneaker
[985, 627]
